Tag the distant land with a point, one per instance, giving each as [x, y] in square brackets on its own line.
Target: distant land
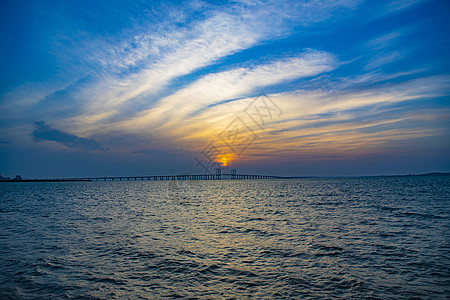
[19, 178]
[428, 174]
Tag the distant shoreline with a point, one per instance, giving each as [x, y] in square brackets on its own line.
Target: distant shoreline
[280, 177]
[44, 180]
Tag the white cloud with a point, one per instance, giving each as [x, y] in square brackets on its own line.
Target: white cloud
[401, 4]
[144, 63]
[320, 117]
[144, 59]
[383, 41]
[381, 60]
[236, 83]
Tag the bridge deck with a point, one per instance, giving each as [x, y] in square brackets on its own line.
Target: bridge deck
[178, 177]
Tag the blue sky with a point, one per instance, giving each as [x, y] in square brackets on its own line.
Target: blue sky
[349, 87]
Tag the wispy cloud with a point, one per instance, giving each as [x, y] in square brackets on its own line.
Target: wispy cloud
[320, 121]
[402, 4]
[138, 65]
[45, 132]
[381, 60]
[326, 121]
[237, 83]
[383, 41]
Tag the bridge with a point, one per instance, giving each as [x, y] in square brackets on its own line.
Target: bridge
[176, 177]
[233, 175]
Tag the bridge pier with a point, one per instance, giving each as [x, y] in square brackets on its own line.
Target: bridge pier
[217, 176]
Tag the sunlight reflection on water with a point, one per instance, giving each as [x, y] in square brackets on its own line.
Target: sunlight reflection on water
[306, 238]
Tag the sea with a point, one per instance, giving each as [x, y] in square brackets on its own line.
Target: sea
[307, 238]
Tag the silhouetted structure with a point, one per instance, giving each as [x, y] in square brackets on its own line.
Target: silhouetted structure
[217, 176]
[233, 175]
[17, 178]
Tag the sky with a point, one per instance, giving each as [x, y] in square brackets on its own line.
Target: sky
[279, 87]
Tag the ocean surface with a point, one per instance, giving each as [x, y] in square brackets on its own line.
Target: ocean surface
[349, 238]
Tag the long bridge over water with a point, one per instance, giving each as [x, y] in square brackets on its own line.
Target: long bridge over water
[233, 175]
[217, 176]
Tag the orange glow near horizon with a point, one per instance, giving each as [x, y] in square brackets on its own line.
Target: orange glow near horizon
[225, 160]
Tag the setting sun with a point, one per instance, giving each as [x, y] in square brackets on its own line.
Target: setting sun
[224, 160]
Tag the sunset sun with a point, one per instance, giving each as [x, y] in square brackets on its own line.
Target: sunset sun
[225, 160]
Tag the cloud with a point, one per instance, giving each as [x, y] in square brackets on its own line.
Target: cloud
[401, 4]
[383, 41]
[140, 65]
[241, 81]
[327, 121]
[45, 132]
[131, 71]
[364, 119]
[66, 102]
[382, 60]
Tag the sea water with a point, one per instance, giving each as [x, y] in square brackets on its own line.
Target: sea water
[371, 237]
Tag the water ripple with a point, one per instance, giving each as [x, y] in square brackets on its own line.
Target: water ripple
[377, 238]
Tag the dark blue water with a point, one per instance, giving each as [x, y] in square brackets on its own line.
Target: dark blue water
[372, 238]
